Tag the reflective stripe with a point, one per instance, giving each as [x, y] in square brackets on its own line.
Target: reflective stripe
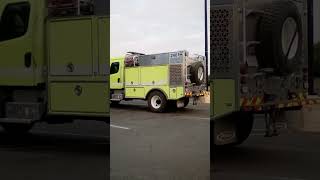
[253, 101]
[159, 83]
[248, 102]
[259, 101]
[241, 101]
[116, 84]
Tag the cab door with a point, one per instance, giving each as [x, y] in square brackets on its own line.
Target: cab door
[116, 74]
[16, 53]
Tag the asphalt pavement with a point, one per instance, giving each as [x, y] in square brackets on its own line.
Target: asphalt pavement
[77, 151]
[148, 146]
[166, 146]
[293, 155]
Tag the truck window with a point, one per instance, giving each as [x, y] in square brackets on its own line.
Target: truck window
[114, 69]
[14, 21]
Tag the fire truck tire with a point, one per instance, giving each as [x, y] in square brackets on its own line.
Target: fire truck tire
[172, 105]
[244, 125]
[15, 128]
[186, 102]
[280, 34]
[197, 72]
[157, 102]
[115, 103]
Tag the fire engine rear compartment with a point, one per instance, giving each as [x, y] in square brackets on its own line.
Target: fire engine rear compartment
[259, 60]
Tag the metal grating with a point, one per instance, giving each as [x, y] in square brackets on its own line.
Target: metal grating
[221, 42]
[176, 75]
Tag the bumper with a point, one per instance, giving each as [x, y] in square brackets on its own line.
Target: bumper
[195, 91]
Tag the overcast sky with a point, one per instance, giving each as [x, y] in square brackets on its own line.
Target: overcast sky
[153, 26]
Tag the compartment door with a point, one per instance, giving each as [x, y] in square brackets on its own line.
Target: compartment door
[79, 97]
[132, 76]
[71, 47]
[154, 76]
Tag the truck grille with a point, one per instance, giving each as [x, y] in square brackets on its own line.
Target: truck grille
[176, 75]
[221, 41]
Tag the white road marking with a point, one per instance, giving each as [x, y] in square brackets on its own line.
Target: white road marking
[119, 127]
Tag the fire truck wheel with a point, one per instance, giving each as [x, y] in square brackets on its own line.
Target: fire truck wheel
[197, 72]
[157, 102]
[244, 124]
[186, 102]
[172, 105]
[115, 103]
[14, 128]
[280, 34]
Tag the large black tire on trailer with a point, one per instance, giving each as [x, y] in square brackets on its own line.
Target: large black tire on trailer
[197, 72]
[17, 128]
[280, 34]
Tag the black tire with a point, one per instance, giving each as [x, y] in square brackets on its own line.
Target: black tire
[195, 75]
[14, 128]
[172, 105]
[115, 103]
[271, 52]
[186, 102]
[160, 100]
[244, 125]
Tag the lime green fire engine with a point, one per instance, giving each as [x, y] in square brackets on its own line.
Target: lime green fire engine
[53, 69]
[165, 80]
